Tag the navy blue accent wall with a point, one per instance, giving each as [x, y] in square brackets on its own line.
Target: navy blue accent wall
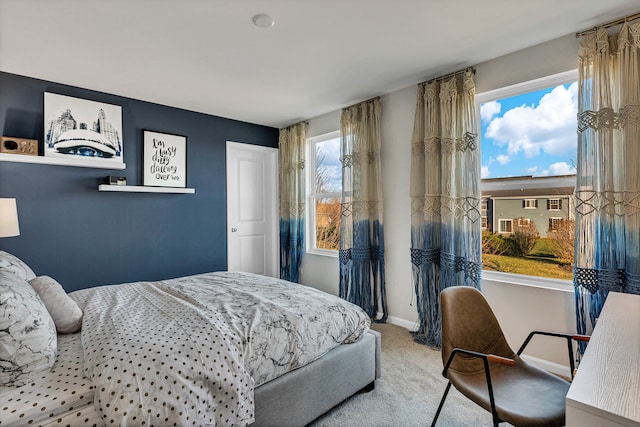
[82, 237]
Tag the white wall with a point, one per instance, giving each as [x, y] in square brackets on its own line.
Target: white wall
[520, 308]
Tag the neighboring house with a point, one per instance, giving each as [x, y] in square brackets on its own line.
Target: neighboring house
[543, 201]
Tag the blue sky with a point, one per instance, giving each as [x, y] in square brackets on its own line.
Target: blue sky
[331, 150]
[530, 134]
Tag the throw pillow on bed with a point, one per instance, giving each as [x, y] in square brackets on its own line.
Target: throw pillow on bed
[66, 314]
[16, 266]
[28, 339]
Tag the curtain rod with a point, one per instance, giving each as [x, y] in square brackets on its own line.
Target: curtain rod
[295, 124]
[361, 102]
[609, 24]
[447, 76]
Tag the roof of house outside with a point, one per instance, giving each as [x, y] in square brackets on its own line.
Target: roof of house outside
[530, 193]
[528, 186]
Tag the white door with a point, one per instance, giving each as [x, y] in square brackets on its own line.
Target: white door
[252, 209]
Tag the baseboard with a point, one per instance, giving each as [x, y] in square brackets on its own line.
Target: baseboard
[554, 368]
[411, 326]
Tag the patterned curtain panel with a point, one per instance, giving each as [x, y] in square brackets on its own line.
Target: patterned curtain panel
[361, 231]
[445, 197]
[292, 199]
[608, 174]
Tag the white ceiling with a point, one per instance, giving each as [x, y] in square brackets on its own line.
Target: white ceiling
[321, 55]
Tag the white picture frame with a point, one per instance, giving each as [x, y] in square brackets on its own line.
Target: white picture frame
[83, 130]
[164, 159]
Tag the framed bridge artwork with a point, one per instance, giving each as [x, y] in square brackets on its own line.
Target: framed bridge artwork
[81, 129]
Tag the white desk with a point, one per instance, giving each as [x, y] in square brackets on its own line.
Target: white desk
[606, 389]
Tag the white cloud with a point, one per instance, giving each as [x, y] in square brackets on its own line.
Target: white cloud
[532, 170]
[502, 159]
[562, 168]
[489, 110]
[484, 173]
[558, 168]
[549, 127]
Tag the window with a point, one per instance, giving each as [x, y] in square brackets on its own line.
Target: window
[554, 223]
[554, 204]
[484, 204]
[529, 151]
[325, 187]
[524, 222]
[505, 226]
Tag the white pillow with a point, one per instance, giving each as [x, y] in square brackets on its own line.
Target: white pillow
[28, 339]
[66, 314]
[16, 266]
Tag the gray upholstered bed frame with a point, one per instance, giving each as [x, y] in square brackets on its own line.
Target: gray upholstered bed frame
[299, 397]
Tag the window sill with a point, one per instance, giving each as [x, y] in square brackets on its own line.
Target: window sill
[530, 281]
[323, 252]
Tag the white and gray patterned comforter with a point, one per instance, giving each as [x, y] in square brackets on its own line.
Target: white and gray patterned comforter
[190, 350]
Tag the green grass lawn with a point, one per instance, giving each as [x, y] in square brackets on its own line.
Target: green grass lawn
[543, 248]
[540, 264]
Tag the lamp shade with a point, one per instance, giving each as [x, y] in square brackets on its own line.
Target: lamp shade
[9, 226]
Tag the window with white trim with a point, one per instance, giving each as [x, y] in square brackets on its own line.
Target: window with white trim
[324, 178]
[527, 131]
[484, 204]
[505, 226]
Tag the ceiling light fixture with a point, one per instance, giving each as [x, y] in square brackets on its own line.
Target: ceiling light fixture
[263, 21]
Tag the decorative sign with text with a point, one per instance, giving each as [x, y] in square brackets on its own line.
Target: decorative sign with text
[165, 160]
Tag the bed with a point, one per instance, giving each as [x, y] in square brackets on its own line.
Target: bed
[221, 348]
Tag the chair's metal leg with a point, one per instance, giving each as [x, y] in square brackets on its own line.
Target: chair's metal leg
[494, 413]
[444, 396]
[496, 420]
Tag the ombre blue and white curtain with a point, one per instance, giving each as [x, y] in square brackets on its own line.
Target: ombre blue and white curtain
[362, 279]
[446, 229]
[291, 149]
[607, 254]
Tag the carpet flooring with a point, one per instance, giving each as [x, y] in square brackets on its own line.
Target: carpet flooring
[408, 393]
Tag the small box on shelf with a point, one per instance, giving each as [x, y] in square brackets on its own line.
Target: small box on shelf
[12, 145]
[116, 180]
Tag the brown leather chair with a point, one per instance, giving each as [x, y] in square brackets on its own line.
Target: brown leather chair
[481, 365]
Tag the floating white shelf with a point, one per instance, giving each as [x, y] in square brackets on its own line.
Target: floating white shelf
[144, 189]
[93, 163]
